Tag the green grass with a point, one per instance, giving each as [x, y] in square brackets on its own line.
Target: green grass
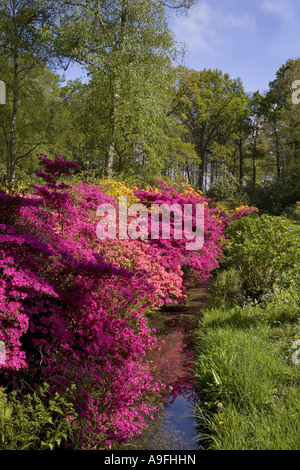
[246, 379]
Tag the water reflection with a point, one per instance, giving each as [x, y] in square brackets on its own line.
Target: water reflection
[172, 366]
[175, 427]
[179, 417]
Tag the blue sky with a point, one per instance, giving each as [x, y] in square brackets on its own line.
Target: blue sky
[250, 39]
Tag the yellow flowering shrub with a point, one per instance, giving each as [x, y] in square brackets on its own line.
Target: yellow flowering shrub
[20, 187]
[228, 208]
[117, 188]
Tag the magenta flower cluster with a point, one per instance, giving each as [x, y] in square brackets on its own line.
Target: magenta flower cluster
[173, 251]
[73, 309]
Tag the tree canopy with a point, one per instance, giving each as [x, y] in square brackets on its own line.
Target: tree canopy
[139, 116]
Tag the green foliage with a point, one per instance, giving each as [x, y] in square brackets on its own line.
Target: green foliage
[25, 35]
[264, 250]
[42, 129]
[226, 287]
[293, 212]
[209, 105]
[226, 187]
[126, 47]
[278, 137]
[277, 197]
[36, 421]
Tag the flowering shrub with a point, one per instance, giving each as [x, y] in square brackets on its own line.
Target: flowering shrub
[73, 308]
[200, 262]
[116, 189]
[232, 213]
[148, 262]
[67, 315]
[20, 187]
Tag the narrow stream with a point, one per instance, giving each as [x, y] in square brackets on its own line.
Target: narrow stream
[174, 427]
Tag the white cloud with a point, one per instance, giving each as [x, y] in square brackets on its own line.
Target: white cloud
[281, 8]
[196, 29]
[206, 27]
[245, 22]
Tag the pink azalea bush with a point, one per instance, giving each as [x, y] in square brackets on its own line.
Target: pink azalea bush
[74, 308]
[201, 262]
[69, 317]
[147, 262]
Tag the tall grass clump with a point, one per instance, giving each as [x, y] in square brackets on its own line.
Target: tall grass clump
[246, 379]
[247, 370]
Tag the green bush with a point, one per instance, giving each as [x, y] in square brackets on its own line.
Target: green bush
[293, 212]
[36, 421]
[227, 187]
[226, 287]
[265, 251]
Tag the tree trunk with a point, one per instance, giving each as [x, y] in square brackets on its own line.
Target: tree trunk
[203, 164]
[115, 90]
[113, 126]
[241, 163]
[11, 156]
[111, 155]
[255, 137]
[254, 164]
[277, 153]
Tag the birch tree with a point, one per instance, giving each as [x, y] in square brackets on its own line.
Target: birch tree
[126, 45]
[24, 45]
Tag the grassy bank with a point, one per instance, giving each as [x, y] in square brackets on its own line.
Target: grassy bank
[247, 380]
